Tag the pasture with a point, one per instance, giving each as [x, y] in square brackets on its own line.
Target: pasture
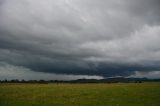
[117, 94]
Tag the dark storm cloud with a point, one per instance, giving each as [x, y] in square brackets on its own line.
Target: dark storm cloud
[91, 37]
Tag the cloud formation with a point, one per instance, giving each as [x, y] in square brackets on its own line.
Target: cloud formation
[142, 74]
[10, 72]
[91, 37]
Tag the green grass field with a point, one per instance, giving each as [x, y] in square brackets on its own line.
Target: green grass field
[119, 94]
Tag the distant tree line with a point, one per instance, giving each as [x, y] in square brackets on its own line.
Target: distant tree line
[108, 80]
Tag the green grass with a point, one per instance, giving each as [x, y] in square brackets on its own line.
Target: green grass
[131, 94]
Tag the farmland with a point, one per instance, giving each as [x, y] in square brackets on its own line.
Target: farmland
[116, 94]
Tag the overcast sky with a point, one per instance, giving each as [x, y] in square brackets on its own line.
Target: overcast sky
[72, 39]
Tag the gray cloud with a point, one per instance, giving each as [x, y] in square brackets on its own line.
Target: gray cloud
[142, 74]
[88, 37]
[10, 72]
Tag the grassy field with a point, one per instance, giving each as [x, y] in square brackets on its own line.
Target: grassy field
[120, 94]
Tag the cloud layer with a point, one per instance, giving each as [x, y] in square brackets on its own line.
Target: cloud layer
[91, 37]
[10, 72]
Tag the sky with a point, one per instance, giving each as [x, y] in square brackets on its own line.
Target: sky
[74, 39]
